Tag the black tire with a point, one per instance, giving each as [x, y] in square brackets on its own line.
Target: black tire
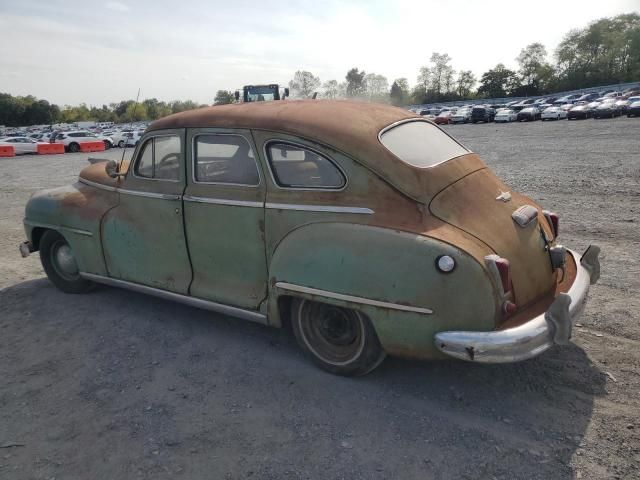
[121, 144]
[339, 340]
[107, 144]
[74, 147]
[60, 266]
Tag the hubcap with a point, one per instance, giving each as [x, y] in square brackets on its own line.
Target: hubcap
[65, 261]
[333, 334]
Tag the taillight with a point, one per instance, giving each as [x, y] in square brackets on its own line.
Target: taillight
[554, 221]
[504, 269]
[501, 269]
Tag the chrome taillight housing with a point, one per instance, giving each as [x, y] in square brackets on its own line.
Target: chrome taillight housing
[553, 220]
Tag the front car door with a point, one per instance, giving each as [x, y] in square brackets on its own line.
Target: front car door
[143, 237]
[224, 218]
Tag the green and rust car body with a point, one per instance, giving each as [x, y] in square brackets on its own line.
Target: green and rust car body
[371, 245]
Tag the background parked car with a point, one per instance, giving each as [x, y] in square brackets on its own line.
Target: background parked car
[588, 97]
[634, 109]
[72, 140]
[21, 145]
[567, 99]
[579, 112]
[528, 114]
[505, 115]
[607, 109]
[443, 118]
[463, 115]
[482, 114]
[553, 113]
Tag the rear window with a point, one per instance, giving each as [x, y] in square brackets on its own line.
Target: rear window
[421, 144]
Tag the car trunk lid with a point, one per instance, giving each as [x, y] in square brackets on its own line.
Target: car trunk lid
[484, 207]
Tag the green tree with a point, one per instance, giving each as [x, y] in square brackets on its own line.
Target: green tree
[136, 112]
[224, 97]
[465, 83]
[355, 83]
[534, 72]
[399, 91]
[497, 82]
[304, 84]
[331, 89]
[376, 86]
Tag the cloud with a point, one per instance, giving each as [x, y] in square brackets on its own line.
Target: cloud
[117, 6]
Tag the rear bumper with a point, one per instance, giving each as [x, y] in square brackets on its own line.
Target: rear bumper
[535, 336]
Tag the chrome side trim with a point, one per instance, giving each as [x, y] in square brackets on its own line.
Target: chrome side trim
[223, 201]
[318, 208]
[97, 185]
[77, 231]
[176, 297]
[350, 298]
[162, 196]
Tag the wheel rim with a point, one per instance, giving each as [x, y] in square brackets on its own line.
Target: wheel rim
[333, 334]
[63, 261]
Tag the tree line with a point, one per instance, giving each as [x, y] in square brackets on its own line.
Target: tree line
[606, 51]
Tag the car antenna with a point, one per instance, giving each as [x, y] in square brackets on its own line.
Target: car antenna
[133, 114]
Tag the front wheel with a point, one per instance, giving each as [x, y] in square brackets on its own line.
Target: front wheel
[121, 144]
[339, 340]
[74, 147]
[60, 265]
[107, 144]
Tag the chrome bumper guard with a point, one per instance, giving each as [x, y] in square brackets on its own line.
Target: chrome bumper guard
[535, 336]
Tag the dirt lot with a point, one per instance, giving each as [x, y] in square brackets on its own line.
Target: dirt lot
[120, 385]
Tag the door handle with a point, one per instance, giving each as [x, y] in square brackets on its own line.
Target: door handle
[177, 211]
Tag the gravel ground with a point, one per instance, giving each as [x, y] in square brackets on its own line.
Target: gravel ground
[120, 385]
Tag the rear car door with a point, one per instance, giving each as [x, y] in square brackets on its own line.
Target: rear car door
[143, 237]
[224, 218]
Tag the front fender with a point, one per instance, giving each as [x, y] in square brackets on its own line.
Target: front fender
[385, 266]
[76, 212]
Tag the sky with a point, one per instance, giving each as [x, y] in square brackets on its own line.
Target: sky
[97, 52]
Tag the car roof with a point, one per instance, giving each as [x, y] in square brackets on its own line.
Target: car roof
[351, 127]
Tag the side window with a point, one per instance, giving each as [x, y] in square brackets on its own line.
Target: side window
[159, 158]
[297, 167]
[224, 159]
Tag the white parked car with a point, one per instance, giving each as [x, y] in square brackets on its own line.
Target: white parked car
[463, 115]
[505, 115]
[21, 145]
[554, 113]
[72, 140]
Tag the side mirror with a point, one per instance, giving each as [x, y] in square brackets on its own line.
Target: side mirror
[286, 93]
[237, 96]
[112, 169]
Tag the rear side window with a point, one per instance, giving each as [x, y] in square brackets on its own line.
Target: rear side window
[294, 166]
[159, 158]
[421, 144]
[225, 159]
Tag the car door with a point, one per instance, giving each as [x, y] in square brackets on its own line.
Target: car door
[143, 236]
[224, 218]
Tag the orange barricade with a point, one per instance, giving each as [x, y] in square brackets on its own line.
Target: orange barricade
[92, 146]
[50, 148]
[7, 151]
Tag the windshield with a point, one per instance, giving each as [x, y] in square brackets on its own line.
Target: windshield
[420, 144]
[259, 94]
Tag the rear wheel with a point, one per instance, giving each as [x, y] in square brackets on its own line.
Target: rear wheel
[60, 265]
[121, 144]
[74, 147]
[339, 340]
[107, 144]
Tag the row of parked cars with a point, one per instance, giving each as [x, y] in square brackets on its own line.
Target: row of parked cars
[607, 104]
[25, 141]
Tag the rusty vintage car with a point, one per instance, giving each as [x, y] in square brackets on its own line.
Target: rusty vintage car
[366, 228]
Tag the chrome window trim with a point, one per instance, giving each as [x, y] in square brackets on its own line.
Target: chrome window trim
[77, 231]
[139, 193]
[412, 119]
[177, 297]
[97, 185]
[318, 208]
[135, 158]
[306, 147]
[223, 201]
[193, 161]
[353, 299]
